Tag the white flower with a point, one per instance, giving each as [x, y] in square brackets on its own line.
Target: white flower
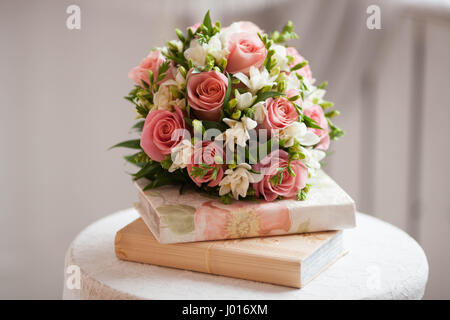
[214, 48]
[259, 112]
[181, 155]
[238, 180]
[298, 131]
[197, 53]
[163, 99]
[257, 80]
[313, 94]
[179, 81]
[244, 100]
[292, 82]
[178, 44]
[238, 131]
[281, 57]
[312, 158]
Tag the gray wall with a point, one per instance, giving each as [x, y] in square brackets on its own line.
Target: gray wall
[61, 107]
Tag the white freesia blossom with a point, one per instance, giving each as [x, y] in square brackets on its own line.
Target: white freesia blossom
[181, 155]
[163, 99]
[298, 131]
[292, 82]
[313, 94]
[257, 80]
[312, 158]
[281, 57]
[238, 180]
[214, 48]
[238, 133]
[244, 100]
[259, 112]
[178, 44]
[197, 53]
[179, 81]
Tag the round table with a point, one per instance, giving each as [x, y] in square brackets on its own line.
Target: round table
[383, 263]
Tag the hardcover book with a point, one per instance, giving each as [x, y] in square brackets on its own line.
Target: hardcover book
[291, 260]
[193, 216]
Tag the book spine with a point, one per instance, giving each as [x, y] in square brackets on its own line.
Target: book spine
[208, 258]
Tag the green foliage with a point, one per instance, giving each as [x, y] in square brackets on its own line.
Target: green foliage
[131, 144]
[301, 195]
[299, 65]
[139, 159]
[270, 63]
[310, 123]
[286, 34]
[139, 125]
[266, 95]
[323, 85]
[226, 199]
[277, 178]
[201, 171]
[226, 100]
[334, 132]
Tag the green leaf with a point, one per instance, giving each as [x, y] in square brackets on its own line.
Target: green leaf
[299, 65]
[131, 144]
[214, 125]
[286, 34]
[310, 123]
[180, 35]
[178, 217]
[323, 85]
[164, 180]
[207, 22]
[139, 125]
[149, 169]
[332, 114]
[163, 67]
[177, 59]
[266, 95]
[139, 159]
[227, 93]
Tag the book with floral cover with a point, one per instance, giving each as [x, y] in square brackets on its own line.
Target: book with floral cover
[194, 216]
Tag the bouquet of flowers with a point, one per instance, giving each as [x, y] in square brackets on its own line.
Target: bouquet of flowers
[231, 111]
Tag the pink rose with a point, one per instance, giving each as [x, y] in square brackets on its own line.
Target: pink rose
[250, 27]
[162, 132]
[305, 71]
[280, 114]
[206, 93]
[316, 113]
[276, 183]
[204, 167]
[246, 50]
[214, 220]
[151, 62]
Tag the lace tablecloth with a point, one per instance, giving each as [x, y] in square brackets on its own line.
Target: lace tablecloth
[383, 263]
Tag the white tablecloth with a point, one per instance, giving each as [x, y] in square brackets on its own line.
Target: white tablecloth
[383, 263]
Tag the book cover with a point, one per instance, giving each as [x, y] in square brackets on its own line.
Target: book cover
[290, 260]
[193, 216]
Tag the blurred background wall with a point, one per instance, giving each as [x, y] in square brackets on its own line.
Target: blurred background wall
[61, 107]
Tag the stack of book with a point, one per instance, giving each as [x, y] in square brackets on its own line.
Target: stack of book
[285, 242]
